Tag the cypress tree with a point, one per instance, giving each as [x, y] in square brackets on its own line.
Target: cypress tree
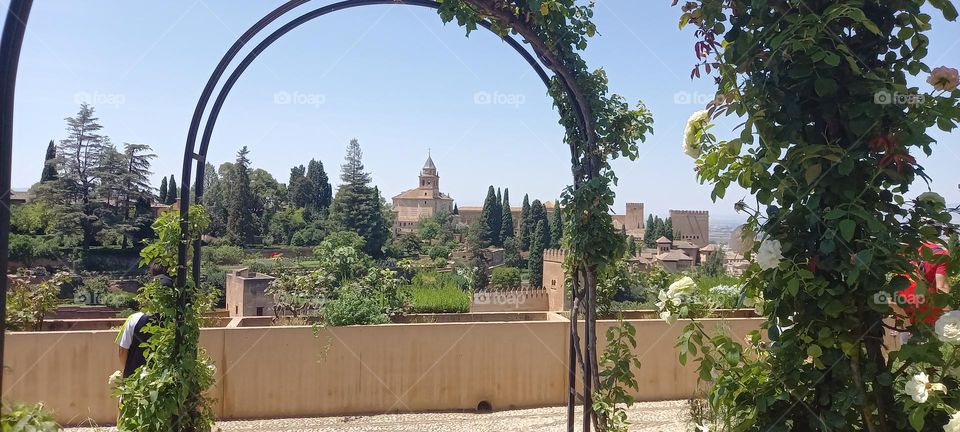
[525, 228]
[456, 210]
[535, 262]
[163, 191]
[632, 246]
[488, 217]
[668, 228]
[538, 213]
[172, 191]
[556, 227]
[497, 221]
[50, 164]
[240, 200]
[506, 219]
[322, 193]
[648, 238]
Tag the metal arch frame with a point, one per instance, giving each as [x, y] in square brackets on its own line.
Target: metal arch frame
[14, 28]
[213, 116]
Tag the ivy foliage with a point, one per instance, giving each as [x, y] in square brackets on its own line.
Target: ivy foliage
[828, 148]
[167, 392]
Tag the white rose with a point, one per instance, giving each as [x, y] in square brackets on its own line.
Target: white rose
[695, 124]
[954, 424]
[948, 327]
[684, 286]
[932, 197]
[769, 254]
[668, 317]
[115, 378]
[919, 387]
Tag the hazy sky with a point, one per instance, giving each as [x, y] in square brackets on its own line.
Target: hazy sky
[393, 77]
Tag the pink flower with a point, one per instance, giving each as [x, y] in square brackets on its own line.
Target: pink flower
[944, 78]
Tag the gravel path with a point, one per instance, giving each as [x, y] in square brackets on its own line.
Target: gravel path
[650, 416]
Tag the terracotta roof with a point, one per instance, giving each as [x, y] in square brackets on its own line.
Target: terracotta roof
[419, 194]
[674, 255]
[683, 244]
[663, 240]
[710, 248]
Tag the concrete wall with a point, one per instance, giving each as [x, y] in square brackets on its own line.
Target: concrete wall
[288, 372]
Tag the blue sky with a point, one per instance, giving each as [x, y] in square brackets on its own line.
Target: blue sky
[393, 77]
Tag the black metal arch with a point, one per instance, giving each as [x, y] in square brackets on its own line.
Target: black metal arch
[200, 156]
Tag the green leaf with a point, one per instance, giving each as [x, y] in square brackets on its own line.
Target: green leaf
[947, 7]
[847, 227]
[812, 173]
[814, 351]
[825, 87]
[832, 59]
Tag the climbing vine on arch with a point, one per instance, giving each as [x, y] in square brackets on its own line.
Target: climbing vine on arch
[599, 127]
[829, 144]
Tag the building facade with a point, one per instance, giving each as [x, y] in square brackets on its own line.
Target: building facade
[424, 201]
[692, 226]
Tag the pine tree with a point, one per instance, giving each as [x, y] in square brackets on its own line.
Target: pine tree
[357, 206]
[173, 192]
[525, 228]
[535, 262]
[80, 154]
[506, 218]
[163, 191]
[556, 227]
[50, 164]
[322, 193]
[488, 218]
[240, 201]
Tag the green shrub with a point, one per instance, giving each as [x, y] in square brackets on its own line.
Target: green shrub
[504, 278]
[440, 252]
[23, 417]
[445, 299]
[353, 307]
[121, 300]
[221, 255]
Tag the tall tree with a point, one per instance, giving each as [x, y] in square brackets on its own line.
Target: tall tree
[488, 219]
[240, 223]
[456, 210]
[648, 238]
[173, 192]
[50, 164]
[535, 262]
[269, 197]
[525, 228]
[538, 213]
[296, 172]
[81, 151]
[215, 197]
[357, 206]
[163, 191]
[556, 227]
[668, 228]
[135, 189]
[506, 218]
[498, 219]
[632, 246]
[322, 193]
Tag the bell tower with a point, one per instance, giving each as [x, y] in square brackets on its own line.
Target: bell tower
[429, 178]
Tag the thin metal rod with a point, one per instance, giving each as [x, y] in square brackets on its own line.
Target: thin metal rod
[13, 30]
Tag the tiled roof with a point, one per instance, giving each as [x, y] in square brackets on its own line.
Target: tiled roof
[663, 240]
[674, 255]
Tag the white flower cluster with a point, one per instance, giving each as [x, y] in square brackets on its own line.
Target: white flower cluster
[695, 125]
[919, 387]
[115, 379]
[725, 290]
[674, 296]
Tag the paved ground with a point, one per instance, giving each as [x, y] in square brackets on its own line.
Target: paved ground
[658, 416]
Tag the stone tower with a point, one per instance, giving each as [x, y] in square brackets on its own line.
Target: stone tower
[429, 179]
[691, 225]
[633, 220]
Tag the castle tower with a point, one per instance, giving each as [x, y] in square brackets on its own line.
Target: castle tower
[633, 220]
[691, 225]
